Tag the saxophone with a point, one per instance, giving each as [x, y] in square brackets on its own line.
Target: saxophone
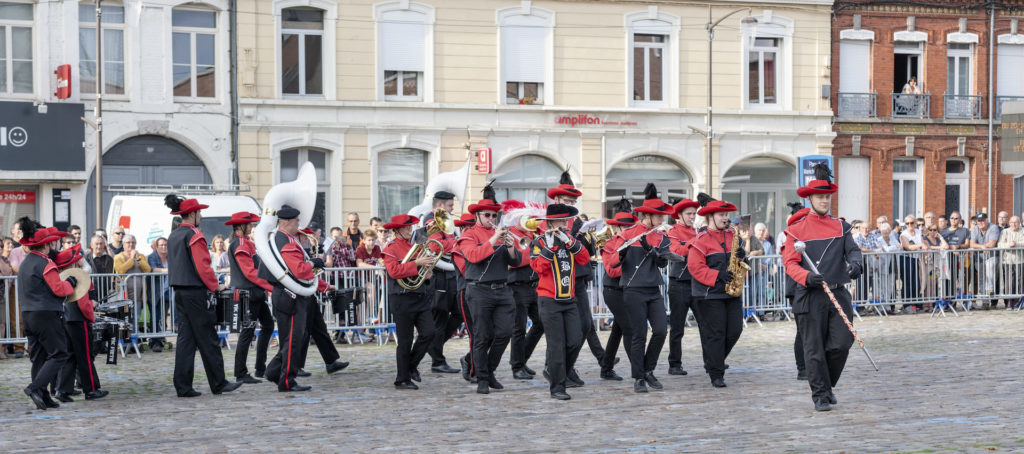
[737, 267]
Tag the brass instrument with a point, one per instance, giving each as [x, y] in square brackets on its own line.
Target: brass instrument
[529, 225]
[600, 237]
[314, 249]
[737, 267]
[442, 223]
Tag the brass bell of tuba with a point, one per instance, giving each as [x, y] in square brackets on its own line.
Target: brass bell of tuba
[442, 223]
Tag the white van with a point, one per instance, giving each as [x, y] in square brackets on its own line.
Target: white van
[146, 216]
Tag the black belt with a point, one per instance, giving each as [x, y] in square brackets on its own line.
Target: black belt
[526, 283]
[490, 285]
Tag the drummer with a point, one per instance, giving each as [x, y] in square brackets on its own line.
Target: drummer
[78, 320]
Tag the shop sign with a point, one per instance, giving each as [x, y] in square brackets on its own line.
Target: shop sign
[583, 120]
[1011, 148]
[53, 141]
[807, 164]
[17, 197]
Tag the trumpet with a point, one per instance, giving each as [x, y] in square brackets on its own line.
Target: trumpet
[600, 237]
[528, 224]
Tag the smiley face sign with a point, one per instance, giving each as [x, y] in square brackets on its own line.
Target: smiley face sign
[17, 136]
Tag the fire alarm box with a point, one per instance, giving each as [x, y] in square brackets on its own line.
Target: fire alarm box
[63, 73]
[483, 161]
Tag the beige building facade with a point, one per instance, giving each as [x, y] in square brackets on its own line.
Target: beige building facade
[382, 96]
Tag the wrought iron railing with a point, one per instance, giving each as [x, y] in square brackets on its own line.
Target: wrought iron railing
[858, 105]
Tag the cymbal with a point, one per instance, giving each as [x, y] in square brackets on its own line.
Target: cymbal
[83, 285]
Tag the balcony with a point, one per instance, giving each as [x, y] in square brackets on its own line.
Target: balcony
[858, 105]
[908, 105]
[963, 107]
[999, 104]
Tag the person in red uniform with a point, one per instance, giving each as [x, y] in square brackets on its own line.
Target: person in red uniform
[316, 327]
[644, 250]
[410, 307]
[290, 309]
[679, 289]
[466, 221]
[523, 280]
[721, 314]
[191, 276]
[244, 264]
[555, 257]
[489, 252]
[566, 193]
[445, 300]
[825, 336]
[78, 318]
[41, 294]
[612, 291]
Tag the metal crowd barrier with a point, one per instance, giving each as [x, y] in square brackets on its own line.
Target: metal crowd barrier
[371, 312]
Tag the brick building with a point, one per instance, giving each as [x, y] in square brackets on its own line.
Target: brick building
[929, 138]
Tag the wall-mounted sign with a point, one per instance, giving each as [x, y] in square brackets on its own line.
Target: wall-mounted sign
[582, 120]
[30, 140]
[1011, 148]
[483, 161]
[17, 197]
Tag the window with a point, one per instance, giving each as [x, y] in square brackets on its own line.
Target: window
[958, 68]
[907, 65]
[113, 49]
[854, 66]
[1009, 62]
[401, 180]
[762, 71]
[648, 67]
[302, 33]
[292, 159]
[526, 179]
[905, 193]
[762, 186]
[195, 49]
[15, 48]
[525, 53]
[405, 50]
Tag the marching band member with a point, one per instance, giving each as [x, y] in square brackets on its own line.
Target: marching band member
[555, 257]
[290, 309]
[41, 293]
[78, 317]
[445, 301]
[411, 308]
[721, 314]
[679, 290]
[523, 280]
[488, 253]
[316, 327]
[193, 280]
[612, 291]
[643, 252]
[466, 361]
[797, 213]
[825, 336]
[244, 264]
[567, 194]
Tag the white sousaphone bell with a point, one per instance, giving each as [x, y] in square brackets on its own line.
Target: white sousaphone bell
[301, 195]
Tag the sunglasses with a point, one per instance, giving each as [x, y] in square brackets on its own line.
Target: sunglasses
[489, 215]
[118, 233]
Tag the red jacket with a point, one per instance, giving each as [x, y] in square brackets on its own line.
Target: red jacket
[52, 277]
[707, 259]
[679, 236]
[393, 255]
[201, 257]
[475, 248]
[610, 257]
[544, 266]
[295, 258]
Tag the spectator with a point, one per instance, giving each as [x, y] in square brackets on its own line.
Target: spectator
[160, 293]
[908, 265]
[76, 233]
[985, 236]
[750, 243]
[219, 254]
[935, 268]
[116, 243]
[942, 223]
[335, 233]
[5, 265]
[761, 232]
[68, 242]
[131, 263]
[929, 218]
[866, 243]
[368, 254]
[102, 233]
[7, 287]
[354, 235]
[956, 235]
[1012, 237]
[18, 254]
[341, 255]
[99, 260]
[158, 258]
[1003, 220]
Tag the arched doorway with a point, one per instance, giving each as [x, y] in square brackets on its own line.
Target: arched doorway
[761, 187]
[526, 178]
[629, 177]
[145, 160]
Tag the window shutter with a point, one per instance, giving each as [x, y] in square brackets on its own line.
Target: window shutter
[523, 53]
[854, 64]
[1009, 63]
[402, 42]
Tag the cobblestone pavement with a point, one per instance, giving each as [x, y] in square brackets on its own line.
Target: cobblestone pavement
[947, 384]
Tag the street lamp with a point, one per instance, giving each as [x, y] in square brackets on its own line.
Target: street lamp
[708, 133]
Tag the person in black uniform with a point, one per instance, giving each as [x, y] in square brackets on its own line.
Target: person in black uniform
[680, 295]
[488, 253]
[826, 338]
[466, 221]
[721, 314]
[555, 256]
[612, 290]
[411, 307]
[78, 317]
[644, 250]
[245, 276]
[523, 281]
[191, 276]
[316, 326]
[41, 293]
[445, 304]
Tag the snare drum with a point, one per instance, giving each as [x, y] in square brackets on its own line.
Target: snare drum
[233, 309]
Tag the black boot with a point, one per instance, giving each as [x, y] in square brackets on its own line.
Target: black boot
[676, 370]
[639, 386]
[652, 381]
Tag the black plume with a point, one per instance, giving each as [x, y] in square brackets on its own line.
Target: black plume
[704, 199]
[565, 178]
[28, 227]
[489, 191]
[173, 202]
[623, 206]
[650, 192]
[794, 207]
[822, 172]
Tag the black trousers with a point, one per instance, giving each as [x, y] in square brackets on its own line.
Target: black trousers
[258, 310]
[564, 338]
[620, 327]
[720, 326]
[291, 327]
[47, 345]
[447, 317]
[587, 321]
[467, 317]
[798, 346]
[196, 331]
[826, 338]
[494, 311]
[316, 328]
[645, 305]
[411, 310]
[80, 341]
[523, 342]
[679, 300]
